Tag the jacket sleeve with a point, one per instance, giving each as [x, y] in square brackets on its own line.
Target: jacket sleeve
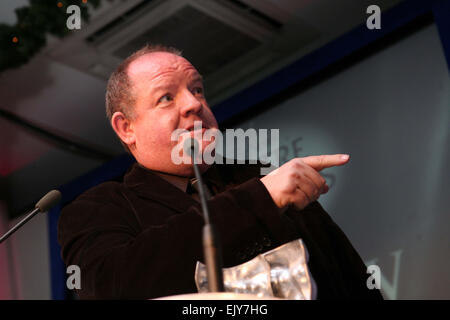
[119, 260]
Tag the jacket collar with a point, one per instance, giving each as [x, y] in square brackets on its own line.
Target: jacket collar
[148, 184]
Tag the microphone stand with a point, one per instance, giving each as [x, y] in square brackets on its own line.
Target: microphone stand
[43, 205]
[211, 247]
[21, 223]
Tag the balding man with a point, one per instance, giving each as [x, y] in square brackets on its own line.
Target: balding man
[141, 238]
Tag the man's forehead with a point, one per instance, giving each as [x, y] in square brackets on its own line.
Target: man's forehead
[157, 63]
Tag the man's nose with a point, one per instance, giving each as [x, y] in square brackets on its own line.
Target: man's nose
[190, 104]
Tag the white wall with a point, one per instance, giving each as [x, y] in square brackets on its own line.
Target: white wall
[7, 286]
[391, 113]
[31, 260]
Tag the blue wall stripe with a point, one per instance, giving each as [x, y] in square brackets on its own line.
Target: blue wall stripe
[57, 268]
[441, 12]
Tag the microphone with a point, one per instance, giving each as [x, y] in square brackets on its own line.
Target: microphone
[44, 204]
[211, 246]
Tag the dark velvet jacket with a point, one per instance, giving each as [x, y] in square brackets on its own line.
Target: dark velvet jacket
[141, 238]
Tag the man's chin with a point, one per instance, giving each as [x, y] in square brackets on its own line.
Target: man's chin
[187, 170]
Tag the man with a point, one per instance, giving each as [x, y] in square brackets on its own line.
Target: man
[141, 238]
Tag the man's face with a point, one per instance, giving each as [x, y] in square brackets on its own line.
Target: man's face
[169, 95]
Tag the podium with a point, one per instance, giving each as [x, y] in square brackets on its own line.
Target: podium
[216, 296]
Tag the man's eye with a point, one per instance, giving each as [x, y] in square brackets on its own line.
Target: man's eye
[165, 98]
[198, 91]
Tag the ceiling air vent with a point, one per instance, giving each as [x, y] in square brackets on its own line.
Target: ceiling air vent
[211, 33]
[217, 36]
[207, 42]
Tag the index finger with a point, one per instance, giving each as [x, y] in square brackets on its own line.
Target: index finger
[325, 161]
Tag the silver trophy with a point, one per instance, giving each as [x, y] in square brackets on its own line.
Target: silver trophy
[281, 273]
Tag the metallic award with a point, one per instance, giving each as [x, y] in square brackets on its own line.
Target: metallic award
[281, 273]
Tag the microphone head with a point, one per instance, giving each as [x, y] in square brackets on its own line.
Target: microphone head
[48, 201]
[190, 146]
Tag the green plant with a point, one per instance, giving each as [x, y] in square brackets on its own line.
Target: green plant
[20, 42]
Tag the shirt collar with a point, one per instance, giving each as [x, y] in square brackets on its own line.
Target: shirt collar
[212, 175]
[178, 181]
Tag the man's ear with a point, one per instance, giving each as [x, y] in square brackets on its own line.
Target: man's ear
[123, 128]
